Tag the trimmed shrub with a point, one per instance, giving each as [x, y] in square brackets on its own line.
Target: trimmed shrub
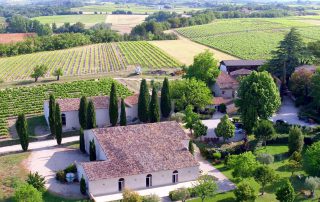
[37, 181]
[151, 198]
[245, 192]
[179, 195]
[131, 196]
[27, 193]
[216, 156]
[61, 176]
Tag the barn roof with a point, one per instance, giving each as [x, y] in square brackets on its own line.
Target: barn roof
[237, 63]
[225, 81]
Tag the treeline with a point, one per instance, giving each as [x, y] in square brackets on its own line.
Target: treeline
[151, 31]
[122, 12]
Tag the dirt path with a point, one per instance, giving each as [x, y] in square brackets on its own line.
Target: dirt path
[184, 49]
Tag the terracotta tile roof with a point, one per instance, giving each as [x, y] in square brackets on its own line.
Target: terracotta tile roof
[100, 102]
[221, 100]
[240, 72]
[310, 68]
[225, 81]
[230, 63]
[139, 149]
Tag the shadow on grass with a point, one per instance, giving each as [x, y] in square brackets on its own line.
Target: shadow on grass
[229, 199]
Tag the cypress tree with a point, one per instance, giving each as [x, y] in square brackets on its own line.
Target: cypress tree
[191, 148]
[154, 111]
[83, 186]
[113, 106]
[83, 112]
[91, 116]
[92, 150]
[58, 124]
[143, 102]
[123, 115]
[22, 130]
[165, 99]
[52, 107]
[82, 144]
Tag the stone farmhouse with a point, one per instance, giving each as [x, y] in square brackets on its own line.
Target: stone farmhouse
[137, 157]
[70, 111]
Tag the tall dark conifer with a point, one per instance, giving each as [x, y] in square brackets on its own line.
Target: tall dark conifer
[123, 115]
[91, 116]
[82, 144]
[22, 130]
[52, 107]
[143, 102]
[154, 111]
[58, 124]
[165, 99]
[83, 112]
[92, 151]
[113, 106]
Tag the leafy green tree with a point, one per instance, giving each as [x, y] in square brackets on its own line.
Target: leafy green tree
[264, 175]
[52, 107]
[288, 55]
[37, 181]
[92, 151]
[312, 160]
[244, 192]
[312, 183]
[264, 131]
[258, 98]
[191, 118]
[154, 111]
[83, 186]
[27, 193]
[113, 106]
[243, 165]
[295, 140]
[205, 187]
[225, 128]
[58, 72]
[91, 116]
[143, 102]
[199, 129]
[315, 89]
[83, 110]
[39, 71]
[81, 141]
[204, 68]
[300, 83]
[191, 147]
[123, 115]
[286, 193]
[22, 130]
[165, 102]
[190, 92]
[294, 166]
[58, 124]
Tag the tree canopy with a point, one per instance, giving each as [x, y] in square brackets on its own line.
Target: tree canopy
[205, 187]
[264, 131]
[143, 102]
[165, 102]
[39, 71]
[264, 175]
[225, 128]
[243, 165]
[286, 193]
[295, 140]
[312, 160]
[113, 106]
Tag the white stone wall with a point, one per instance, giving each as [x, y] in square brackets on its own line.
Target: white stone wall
[46, 111]
[131, 113]
[228, 93]
[137, 182]
[102, 118]
[223, 68]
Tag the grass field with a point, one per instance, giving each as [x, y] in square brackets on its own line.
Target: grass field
[124, 23]
[88, 20]
[92, 59]
[279, 166]
[108, 7]
[250, 38]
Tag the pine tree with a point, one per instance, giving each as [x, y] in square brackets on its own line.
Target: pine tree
[83, 112]
[58, 124]
[82, 144]
[191, 148]
[22, 130]
[92, 151]
[113, 106]
[143, 102]
[52, 106]
[123, 116]
[154, 112]
[91, 116]
[166, 106]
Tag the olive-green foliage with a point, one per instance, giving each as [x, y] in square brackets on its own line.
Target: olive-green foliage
[22, 130]
[91, 116]
[286, 193]
[143, 102]
[27, 193]
[151, 198]
[205, 187]
[312, 183]
[265, 158]
[181, 194]
[83, 112]
[245, 192]
[113, 106]
[225, 128]
[131, 196]
[58, 124]
[39, 71]
[295, 140]
[123, 116]
[258, 98]
[165, 101]
[154, 111]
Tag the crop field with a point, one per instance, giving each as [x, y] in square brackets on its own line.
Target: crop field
[29, 100]
[249, 38]
[124, 23]
[14, 37]
[88, 20]
[92, 59]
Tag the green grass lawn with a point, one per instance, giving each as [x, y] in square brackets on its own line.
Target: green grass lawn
[88, 20]
[279, 165]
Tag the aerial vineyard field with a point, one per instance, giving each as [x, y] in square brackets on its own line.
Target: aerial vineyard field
[29, 100]
[92, 59]
[249, 38]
